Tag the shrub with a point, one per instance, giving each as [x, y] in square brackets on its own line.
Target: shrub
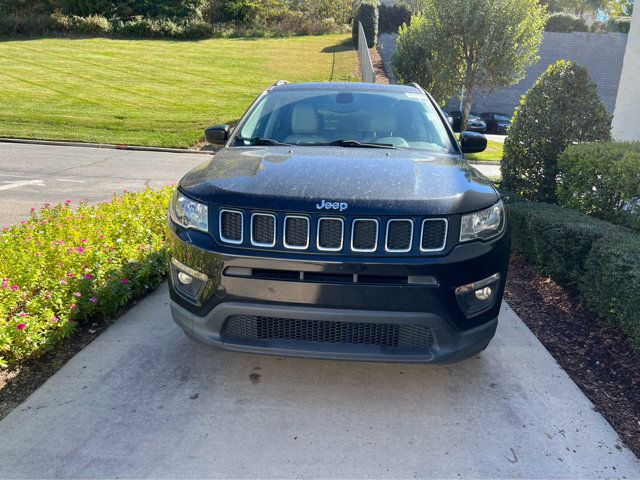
[339, 12]
[611, 282]
[392, 17]
[33, 24]
[602, 180]
[148, 28]
[565, 22]
[560, 109]
[599, 260]
[367, 15]
[92, 25]
[124, 9]
[64, 266]
[618, 24]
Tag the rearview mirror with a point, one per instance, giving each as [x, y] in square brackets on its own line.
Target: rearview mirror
[218, 134]
[473, 142]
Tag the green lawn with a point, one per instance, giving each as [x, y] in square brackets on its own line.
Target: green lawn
[493, 153]
[151, 92]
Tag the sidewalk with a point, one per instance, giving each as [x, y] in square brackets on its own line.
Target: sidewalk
[144, 401]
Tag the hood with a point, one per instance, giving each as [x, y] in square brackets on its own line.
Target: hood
[369, 180]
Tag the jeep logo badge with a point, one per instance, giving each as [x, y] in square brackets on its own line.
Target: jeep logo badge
[332, 205]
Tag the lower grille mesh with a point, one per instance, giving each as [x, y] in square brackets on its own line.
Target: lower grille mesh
[253, 327]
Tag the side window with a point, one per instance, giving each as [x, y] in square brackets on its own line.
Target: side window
[254, 127]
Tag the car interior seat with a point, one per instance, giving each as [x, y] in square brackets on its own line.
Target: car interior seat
[305, 125]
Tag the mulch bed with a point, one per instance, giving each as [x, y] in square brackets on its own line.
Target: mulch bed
[597, 356]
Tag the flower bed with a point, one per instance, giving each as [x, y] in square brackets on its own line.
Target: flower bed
[66, 265]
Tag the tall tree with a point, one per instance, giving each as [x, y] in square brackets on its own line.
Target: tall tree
[471, 45]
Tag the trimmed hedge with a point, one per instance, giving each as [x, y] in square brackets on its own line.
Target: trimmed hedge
[65, 266]
[392, 17]
[602, 180]
[618, 24]
[367, 14]
[565, 22]
[598, 259]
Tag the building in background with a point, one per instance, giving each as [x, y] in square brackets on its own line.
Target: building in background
[625, 117]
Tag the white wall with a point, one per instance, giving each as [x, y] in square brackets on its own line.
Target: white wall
[625, 116]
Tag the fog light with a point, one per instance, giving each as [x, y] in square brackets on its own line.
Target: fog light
[189, 283]
[184, 279]
[477, 297]
[484, 293]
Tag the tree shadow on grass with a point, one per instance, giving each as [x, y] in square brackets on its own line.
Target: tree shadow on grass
[344, 46]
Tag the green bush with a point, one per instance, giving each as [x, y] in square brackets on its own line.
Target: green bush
[599, 260]
[602, 180]
[565, 22]
[618, 24]
[26, 7]
[339, 12]
[367, 14]
[148, 28]
[65, 266]
[392, 17]
[125, 9]
[94, 25]
[562, 108]
[33, 24]
[611, 282]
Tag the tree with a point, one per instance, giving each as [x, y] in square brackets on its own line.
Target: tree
[470, 44]
[562, 108]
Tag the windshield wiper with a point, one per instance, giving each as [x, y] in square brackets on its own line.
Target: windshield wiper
[261, 141]
[357, 144]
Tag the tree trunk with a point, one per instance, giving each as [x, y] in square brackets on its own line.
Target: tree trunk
[469, 83]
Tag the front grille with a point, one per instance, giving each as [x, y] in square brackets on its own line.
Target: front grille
[399, 235]
[434, 235]
[296, 232]
[253, 327]
[364, 235]
[330, 233]
[318, 233]
[231, 226]
[263, 229]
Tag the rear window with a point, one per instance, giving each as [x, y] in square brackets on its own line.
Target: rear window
[399, 119]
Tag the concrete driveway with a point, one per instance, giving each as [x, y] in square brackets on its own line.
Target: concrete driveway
[31, 175]
[144, 401]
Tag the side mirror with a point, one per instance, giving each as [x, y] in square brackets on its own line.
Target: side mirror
[473, 142]
[218, 134]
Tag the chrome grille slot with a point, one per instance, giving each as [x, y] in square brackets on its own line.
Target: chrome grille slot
[364, 235]
[399, 236]
[296, 232]
[263, 229]
[330, 234]
[231, 226]
[434, 235]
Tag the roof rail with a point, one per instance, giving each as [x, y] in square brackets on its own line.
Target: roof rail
[415, 85]
[279, 82]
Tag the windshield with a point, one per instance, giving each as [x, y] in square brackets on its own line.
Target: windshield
[502, 118]
[347, 119]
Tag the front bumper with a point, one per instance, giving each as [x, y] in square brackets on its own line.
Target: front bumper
[448, 345]
[313, 294]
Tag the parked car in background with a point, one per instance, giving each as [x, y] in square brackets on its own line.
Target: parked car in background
[496, 122]
[340, 220]
[474, 123]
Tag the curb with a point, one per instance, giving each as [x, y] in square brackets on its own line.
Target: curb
[59, 143]
[483, 162]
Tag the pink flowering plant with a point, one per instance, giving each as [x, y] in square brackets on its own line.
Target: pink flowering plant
[66, 265]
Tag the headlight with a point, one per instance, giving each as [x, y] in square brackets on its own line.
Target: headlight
[484, 224]
[189, 213]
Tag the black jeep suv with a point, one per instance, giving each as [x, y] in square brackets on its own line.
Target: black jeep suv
[340, 221]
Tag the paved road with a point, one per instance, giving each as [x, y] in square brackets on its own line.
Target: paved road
[31, 175]
[144, 401]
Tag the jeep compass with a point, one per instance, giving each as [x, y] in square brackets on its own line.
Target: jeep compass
[341, 221]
